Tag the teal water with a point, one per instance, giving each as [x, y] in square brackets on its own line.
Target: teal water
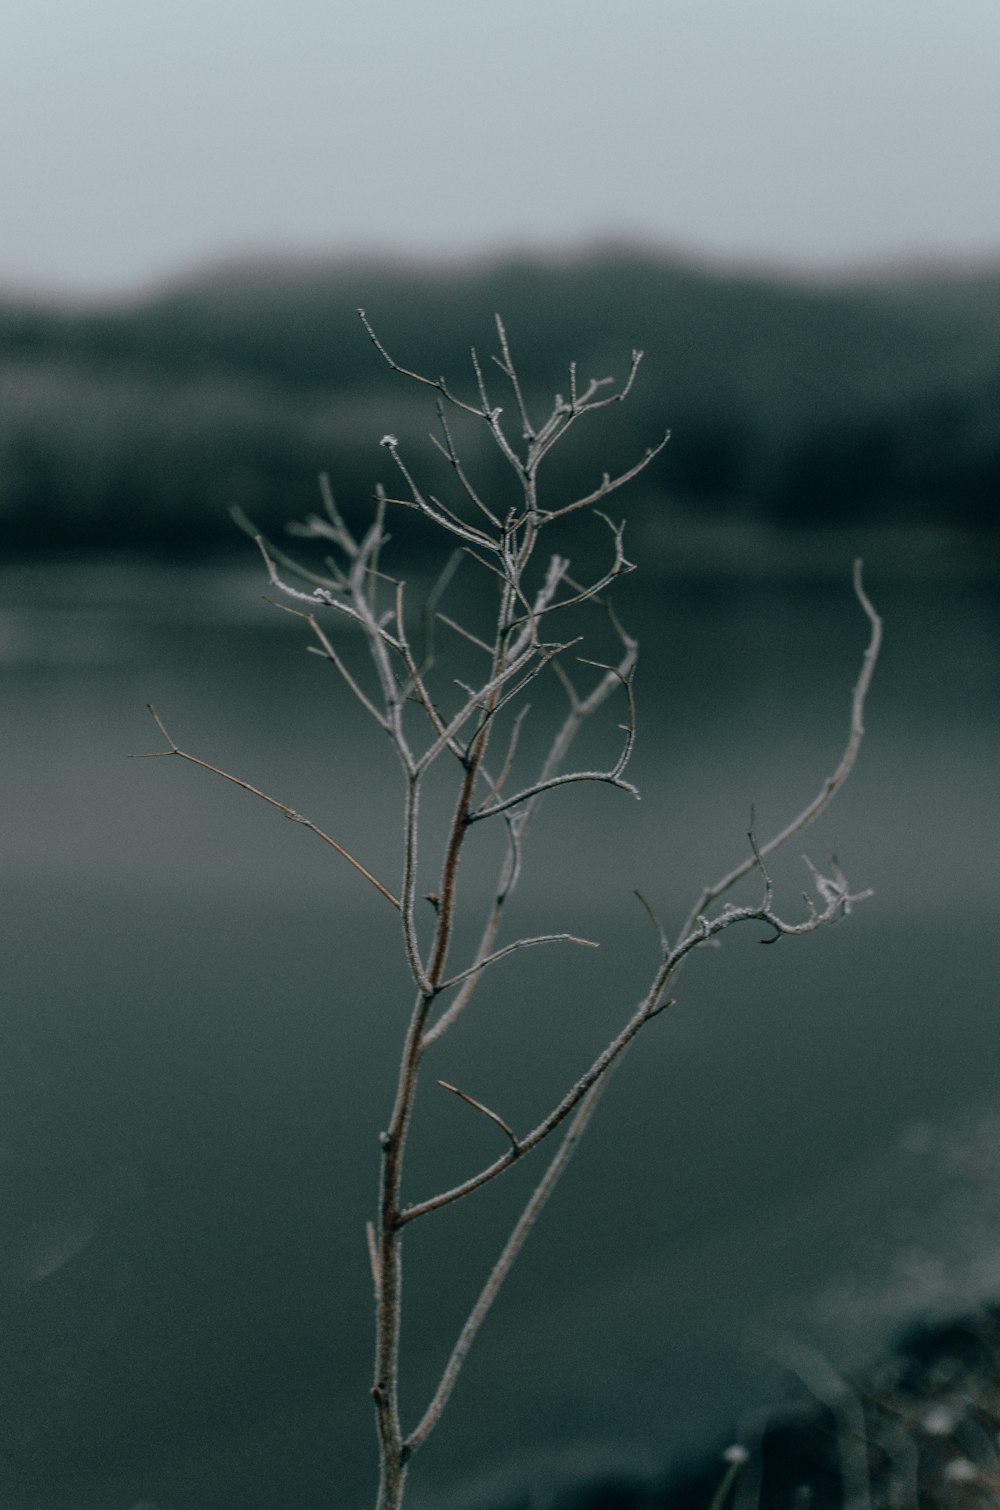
[203, 1011]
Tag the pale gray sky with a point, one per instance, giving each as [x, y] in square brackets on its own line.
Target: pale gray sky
[142, 137]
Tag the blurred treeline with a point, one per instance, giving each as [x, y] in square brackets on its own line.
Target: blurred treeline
[141, 423]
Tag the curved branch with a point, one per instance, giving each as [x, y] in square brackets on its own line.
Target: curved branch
[478, 1106]
[525, 943]
[833, 783]
[611, 778]
[838, 902]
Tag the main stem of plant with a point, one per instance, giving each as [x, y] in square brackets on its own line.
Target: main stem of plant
[394, 1451]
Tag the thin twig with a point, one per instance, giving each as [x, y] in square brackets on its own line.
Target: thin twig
[449, 452]
[507, 368]
[478, 1105]
[651, 914]
[433, 509]
[329, 653]
[438, 383]
[281, 807]
[611, 484]
[525, 943]
[465, 633]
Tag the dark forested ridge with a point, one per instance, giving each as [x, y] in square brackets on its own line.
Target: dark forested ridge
[141, 423]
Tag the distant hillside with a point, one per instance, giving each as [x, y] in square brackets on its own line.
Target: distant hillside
[141, 423]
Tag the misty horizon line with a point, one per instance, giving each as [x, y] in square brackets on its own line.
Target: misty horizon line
[254, 262]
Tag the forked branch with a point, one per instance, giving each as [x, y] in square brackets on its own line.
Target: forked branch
[503, 1266]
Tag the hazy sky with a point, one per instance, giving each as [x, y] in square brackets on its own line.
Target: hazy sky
[141, 137]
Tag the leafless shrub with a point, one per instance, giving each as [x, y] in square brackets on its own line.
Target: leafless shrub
[473, 728]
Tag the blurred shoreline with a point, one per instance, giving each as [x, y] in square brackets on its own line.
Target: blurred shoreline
[855, 403]
[669, 540]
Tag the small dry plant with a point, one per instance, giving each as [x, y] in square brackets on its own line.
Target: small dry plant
[525, 627]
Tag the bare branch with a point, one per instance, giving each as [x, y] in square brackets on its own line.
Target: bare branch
[833, 783]
[507, 368]
[335, 580]
[651, 914]
[321, 594]
[610, 484]
[518, 822]
[613, 777]
[450, 453]
[544, 656]
[484, 399]
[465, 633]
[521, 1146]
[503, 1266]
[623, 392]
[554, 428]
[433, 509]
[557, 569]
[563, 415]
[429, 607]
[476, 701]
[471, 1101]
[342, 534]
[281, 807]
[515, 733]
[411, 942]
[492, 417]
[525, 943]
[618, 568]
[372, 1255]
[378, 538]
[734, 1467]
[438, 383]
[329, 653]
[488, 566]
[838, 903]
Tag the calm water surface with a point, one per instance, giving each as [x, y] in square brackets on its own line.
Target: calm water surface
[203, 1010]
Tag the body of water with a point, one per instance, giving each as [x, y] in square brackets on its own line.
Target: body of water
[203, 1010]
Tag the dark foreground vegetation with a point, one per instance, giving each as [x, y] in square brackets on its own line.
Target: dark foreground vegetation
[920, 1431]
[140, 424]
